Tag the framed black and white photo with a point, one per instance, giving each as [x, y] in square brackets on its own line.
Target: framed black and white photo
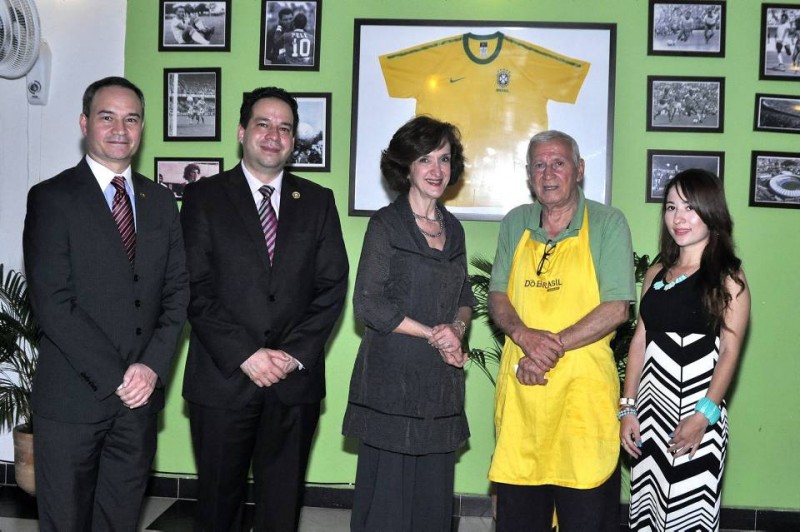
[564, 72]
[191, 98]
[686, 27]
[312, 144]
[780, 24]
[175, 173]
[687, 104]
[290, 35]
[194, 26]
[777, 112]
[663, 165]
[775, 180]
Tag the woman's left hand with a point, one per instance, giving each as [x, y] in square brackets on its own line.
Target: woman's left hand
[688, 435]
[445, 338]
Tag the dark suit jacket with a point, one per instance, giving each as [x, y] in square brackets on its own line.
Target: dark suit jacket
[98, 314]
[240, 303]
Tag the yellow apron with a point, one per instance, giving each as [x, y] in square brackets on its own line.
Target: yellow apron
[564, 433]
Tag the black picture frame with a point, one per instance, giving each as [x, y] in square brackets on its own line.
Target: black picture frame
[775, 179]
[687, 104]
[662, 165]
[312, 144]
[777, 112]
[206, 26]
[671, 33]
[774, 30]
[300, 50]
[191, 104]
[496, 181]
[174, 172]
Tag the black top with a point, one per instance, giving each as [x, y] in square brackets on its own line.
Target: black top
[403, 397]
[678, 309]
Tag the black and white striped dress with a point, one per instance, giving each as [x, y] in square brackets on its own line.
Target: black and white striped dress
[668, 493]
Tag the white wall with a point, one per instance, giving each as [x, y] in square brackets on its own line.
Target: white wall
[87, 39]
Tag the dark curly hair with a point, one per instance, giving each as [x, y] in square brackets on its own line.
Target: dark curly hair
[703, 191]
[191, 167]
[417, 137]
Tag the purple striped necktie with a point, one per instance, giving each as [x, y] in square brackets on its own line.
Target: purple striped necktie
[269, 220]
[123, 216]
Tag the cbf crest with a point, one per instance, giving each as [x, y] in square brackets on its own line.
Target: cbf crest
[503, 80]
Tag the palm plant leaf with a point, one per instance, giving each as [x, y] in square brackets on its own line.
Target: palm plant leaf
[19, 335]
[480, 287]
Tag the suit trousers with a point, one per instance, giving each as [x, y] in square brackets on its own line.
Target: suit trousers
[530, 508]
[92, 476]
[276, 437]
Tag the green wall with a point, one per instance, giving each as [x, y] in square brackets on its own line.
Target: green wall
[763, 458]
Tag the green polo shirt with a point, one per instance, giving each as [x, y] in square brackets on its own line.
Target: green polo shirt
[609, 240]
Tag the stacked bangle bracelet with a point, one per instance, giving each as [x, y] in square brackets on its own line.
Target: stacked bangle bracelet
[626, 412]
[708, 408]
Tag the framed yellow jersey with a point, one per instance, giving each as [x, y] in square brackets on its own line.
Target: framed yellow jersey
[475, 81]
[500, 86]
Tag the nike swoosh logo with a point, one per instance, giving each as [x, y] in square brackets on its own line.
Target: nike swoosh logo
[456, 80]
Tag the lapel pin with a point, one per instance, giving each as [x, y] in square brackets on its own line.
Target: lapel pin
[142, 195]
[296, 195]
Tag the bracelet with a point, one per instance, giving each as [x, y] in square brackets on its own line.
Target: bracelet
[462, 326]
[627, 401]
[626, 412]
[708, 408]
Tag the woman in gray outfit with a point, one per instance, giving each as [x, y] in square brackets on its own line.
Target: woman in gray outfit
[406, 404]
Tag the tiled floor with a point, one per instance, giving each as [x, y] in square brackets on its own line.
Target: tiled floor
[18, 514]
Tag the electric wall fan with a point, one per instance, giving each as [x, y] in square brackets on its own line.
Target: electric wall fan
[19, 37]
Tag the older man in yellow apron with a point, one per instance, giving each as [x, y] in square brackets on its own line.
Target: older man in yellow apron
[561, 284]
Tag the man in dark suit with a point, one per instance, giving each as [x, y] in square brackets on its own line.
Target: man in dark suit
[263, 304]
[107, 280]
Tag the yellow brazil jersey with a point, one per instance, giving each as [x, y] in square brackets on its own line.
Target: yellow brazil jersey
[495, 88]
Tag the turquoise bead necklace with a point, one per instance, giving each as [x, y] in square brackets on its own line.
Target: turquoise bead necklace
[661, 285]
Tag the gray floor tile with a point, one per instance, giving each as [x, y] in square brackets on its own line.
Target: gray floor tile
[324, 520]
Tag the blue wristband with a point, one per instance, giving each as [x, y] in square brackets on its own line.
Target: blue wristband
[709, 409]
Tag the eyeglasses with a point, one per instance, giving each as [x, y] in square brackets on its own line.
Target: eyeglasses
[549, 248]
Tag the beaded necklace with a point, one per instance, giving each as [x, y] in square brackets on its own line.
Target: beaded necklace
[659, 285]
[439, 218]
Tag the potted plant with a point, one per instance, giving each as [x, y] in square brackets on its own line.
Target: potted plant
[19, 335]
[480, 287]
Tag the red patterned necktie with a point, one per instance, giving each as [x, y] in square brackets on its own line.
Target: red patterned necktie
[123, 216]
[269, 220]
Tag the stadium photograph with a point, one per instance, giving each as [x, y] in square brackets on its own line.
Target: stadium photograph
[190, 104]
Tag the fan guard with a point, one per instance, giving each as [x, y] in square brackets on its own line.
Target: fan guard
[19, 37]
